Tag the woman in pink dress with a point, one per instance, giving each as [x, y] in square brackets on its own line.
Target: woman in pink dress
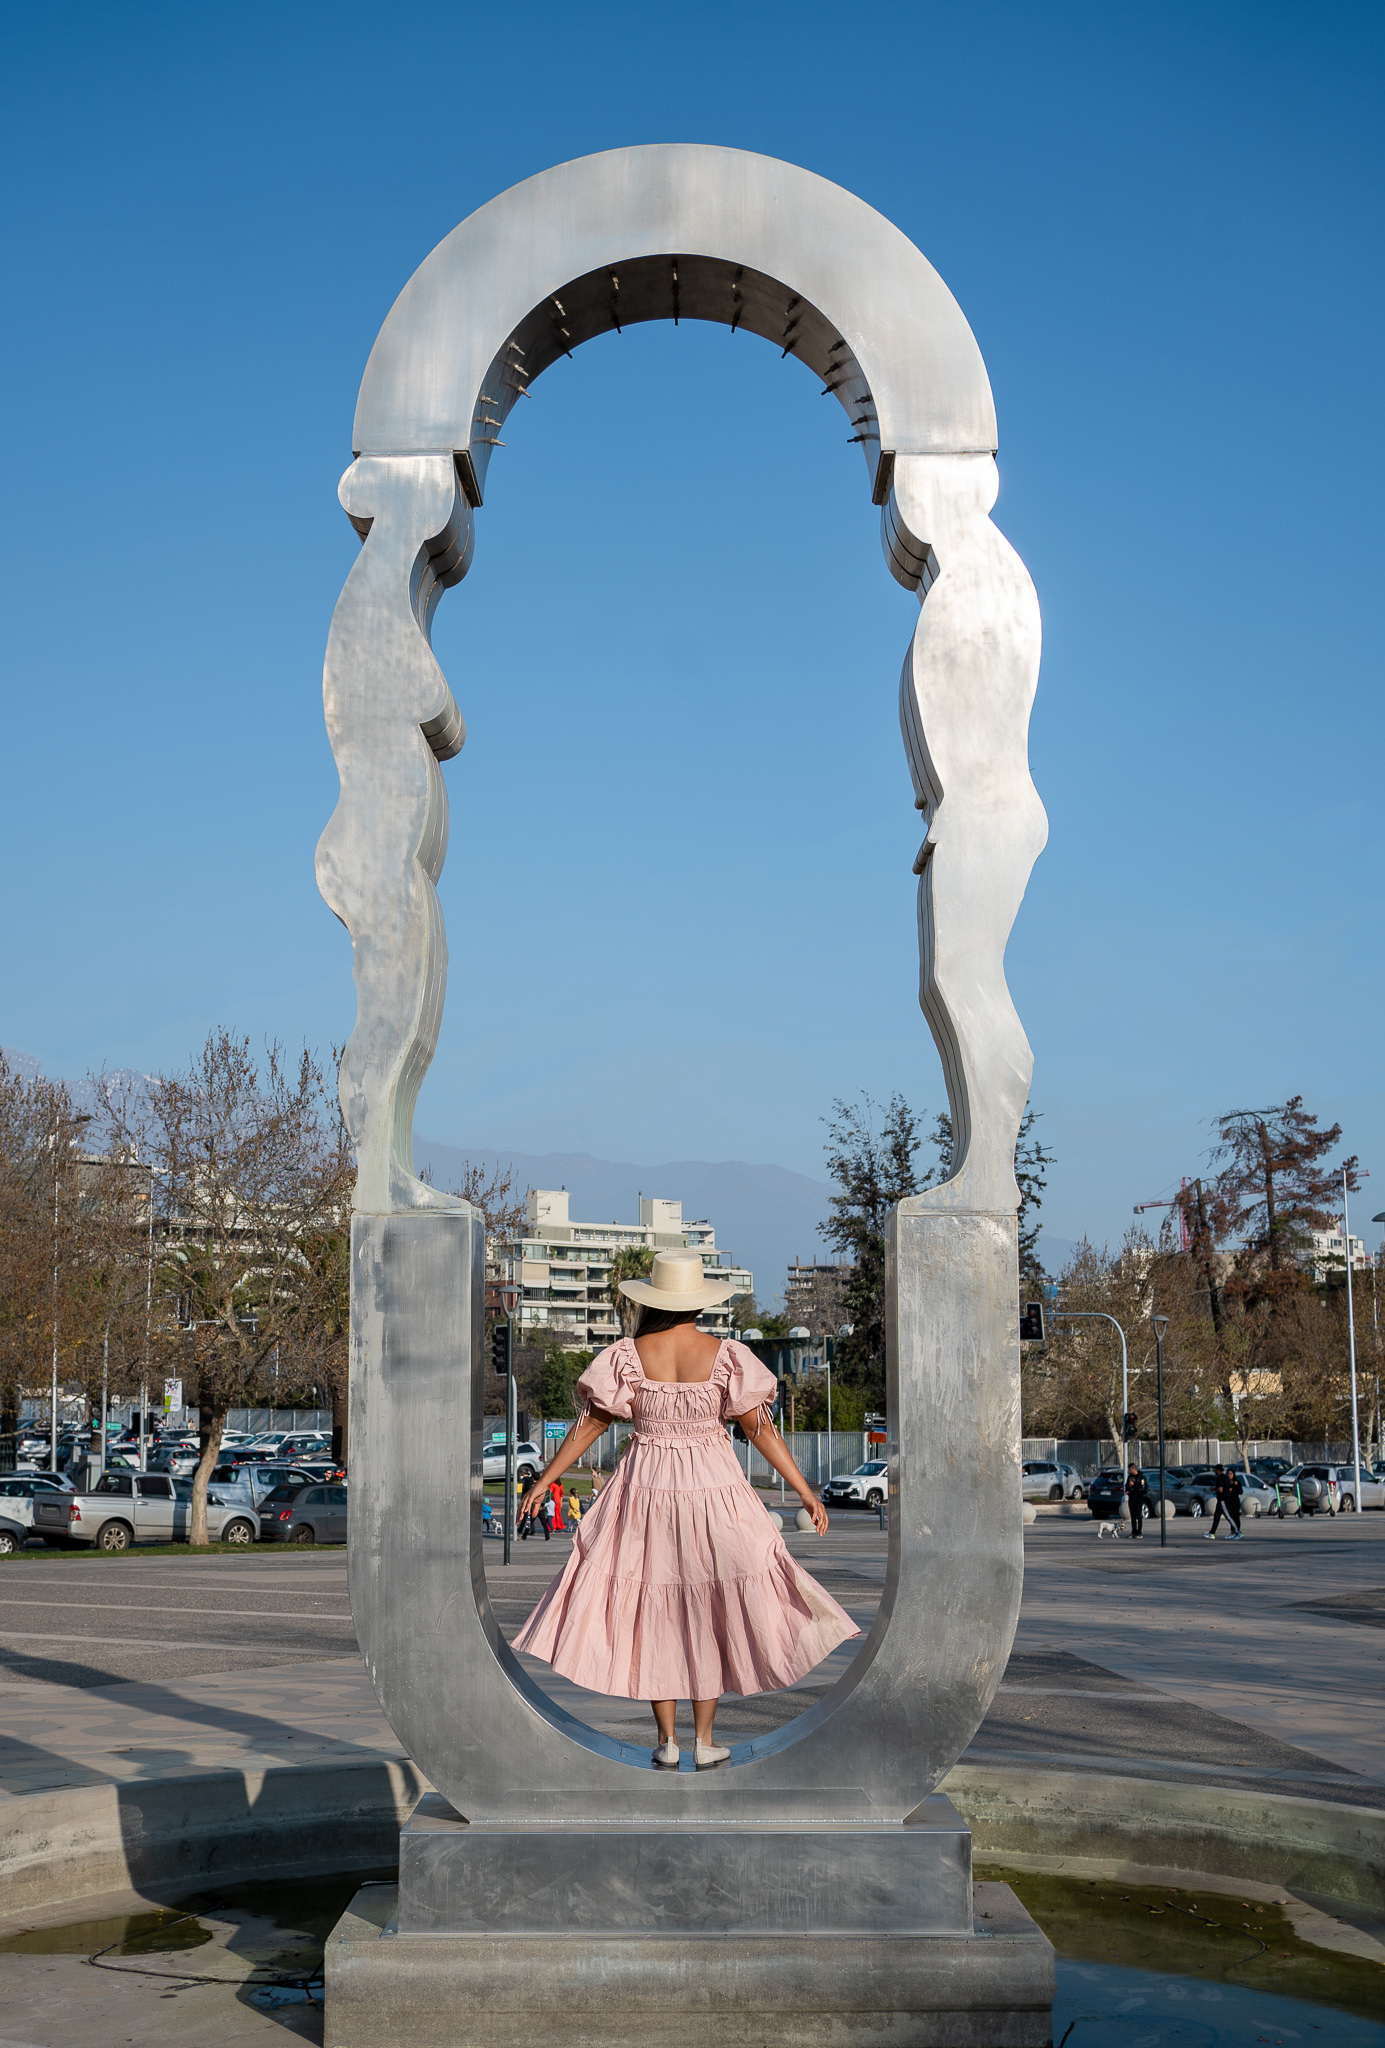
[679, 1585]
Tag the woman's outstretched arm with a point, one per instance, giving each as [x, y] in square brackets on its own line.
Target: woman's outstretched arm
[578, 1440]
[775, 1452]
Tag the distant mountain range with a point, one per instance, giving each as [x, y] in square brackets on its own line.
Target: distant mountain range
[766, 1216]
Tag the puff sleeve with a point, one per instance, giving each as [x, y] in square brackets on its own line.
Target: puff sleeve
[609, 1384]
[746, 1384]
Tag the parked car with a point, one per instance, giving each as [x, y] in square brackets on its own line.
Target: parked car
[867, 1487]
[14, 1531]
[1106, 1492]
[304, 1514]
[528, 1462]
[1258, 1496]
[1042, 1479]
[43, 1482]
[1269, 1469]
[1184, 1492]
[177, 1460]
[1329, 1490]
[135, 1507]
[249, 1485]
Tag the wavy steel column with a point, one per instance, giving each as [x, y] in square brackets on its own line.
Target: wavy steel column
[391, 718]
[952, 1291]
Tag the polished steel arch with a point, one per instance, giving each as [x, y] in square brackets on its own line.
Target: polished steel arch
[672, 232]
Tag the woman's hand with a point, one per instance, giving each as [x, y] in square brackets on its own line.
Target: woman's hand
[817, 1511]
[532, 1500]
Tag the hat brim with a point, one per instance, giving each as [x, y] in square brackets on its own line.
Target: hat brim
[706, 1296]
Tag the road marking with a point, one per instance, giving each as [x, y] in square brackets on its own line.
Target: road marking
[1073, 1692]
[71, 1645]
[142, 1607]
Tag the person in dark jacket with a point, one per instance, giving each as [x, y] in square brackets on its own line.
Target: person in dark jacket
[1137, 1500]
[1228, 1490]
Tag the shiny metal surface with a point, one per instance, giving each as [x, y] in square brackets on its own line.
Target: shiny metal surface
[651, 233]
[461, 1878]
[674, 231]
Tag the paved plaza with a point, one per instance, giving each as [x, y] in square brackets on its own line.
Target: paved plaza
[1257, 1664]
[1261, 1661]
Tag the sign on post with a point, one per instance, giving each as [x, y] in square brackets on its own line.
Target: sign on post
[173, 1395]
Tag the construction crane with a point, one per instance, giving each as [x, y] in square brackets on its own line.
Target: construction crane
[1179, 1202]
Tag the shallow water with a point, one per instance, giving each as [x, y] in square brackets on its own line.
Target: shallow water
[1241, 1945]
[1101, 2005]
[1139, 1967]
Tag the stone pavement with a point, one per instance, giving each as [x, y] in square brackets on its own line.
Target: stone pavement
[1256, 1664]
[1260, 1662]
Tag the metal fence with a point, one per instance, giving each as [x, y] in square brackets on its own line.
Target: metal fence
[1088, 1456]
[809, 1449]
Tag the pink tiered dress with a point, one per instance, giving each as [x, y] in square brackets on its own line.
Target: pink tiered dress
[679, 1586]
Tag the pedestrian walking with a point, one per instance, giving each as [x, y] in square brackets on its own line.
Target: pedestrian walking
[679, 1586]
[555, 1499]
[1228, 1491]
[1137, 1500]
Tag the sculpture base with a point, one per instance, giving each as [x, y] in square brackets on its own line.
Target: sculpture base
[990, 1988]
[491, 1878]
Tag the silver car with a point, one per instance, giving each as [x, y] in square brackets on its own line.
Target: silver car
[135, 1507]
[528, 1462]
[1045, 1479]
[1329, 1489]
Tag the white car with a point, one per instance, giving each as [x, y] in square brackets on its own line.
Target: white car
[867, 1487]
[1044, 1479]
[528, 1462]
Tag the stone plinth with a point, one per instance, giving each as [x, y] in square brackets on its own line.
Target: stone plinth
[991, 1987]
[765, 1879]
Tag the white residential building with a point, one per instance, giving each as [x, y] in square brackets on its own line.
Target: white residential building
[563, 1267]
[1329, 1255]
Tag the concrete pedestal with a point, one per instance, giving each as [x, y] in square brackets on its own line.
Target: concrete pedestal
[989, 1988]
[766, 1878]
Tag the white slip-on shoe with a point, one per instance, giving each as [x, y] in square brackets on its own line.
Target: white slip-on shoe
[708, 1755]
[666, 1756]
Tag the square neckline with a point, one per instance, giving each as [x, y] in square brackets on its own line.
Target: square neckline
[639, 1362]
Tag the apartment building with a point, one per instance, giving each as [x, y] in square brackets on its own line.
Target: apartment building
[563, 1266]
[1330, 1255]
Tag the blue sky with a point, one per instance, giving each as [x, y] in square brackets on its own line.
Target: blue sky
[678, 650]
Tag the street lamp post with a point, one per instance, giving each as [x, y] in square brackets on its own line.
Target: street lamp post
[1351, 1341]
[84, 1118]
[509, 1295]
[143, 1453]
[1099, 1315]
[1161, 1324]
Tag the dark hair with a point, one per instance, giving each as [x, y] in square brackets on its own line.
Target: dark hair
[653, 1320]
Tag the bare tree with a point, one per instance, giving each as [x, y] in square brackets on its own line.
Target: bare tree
[255, 1179]
[497, 1194]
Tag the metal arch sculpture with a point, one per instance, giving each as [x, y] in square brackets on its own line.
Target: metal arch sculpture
[682, 231]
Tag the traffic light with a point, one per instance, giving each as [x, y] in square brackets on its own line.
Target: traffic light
[500, 1348]
[1032, 1323]
[1130, 1424]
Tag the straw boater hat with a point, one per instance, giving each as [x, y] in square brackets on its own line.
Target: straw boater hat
[678, 1281]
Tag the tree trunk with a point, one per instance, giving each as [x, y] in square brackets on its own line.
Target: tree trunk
[210, 1423]
[1271, 1220]
[1208, 1259]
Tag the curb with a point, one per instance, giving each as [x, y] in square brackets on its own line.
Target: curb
[138, 1833]
[1219, 1830]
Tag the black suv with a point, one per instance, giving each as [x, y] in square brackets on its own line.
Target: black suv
[1106, 1492]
